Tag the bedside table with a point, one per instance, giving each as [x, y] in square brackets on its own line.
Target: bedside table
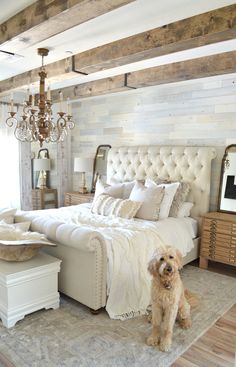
[218, 240]
[44, 199]
[75, 198]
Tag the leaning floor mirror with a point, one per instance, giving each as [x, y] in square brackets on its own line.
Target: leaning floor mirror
[227, 192]
[100, 164]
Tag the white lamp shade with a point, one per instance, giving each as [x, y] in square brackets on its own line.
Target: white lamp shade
[83, 164]
[42, 164]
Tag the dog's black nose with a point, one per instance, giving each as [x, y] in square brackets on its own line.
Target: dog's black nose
[169, 268]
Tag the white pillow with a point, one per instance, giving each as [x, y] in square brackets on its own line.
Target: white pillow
[184, 210]
[151, 198]
[115, 191]
[21, 226]
[7, 214]
[126, 187]
[170, 190]
[109, 206]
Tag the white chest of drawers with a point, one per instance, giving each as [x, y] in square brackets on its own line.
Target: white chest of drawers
[28, 286]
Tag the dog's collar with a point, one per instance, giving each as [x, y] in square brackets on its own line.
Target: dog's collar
[167, 285]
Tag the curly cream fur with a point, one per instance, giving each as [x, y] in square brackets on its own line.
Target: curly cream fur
[169, 300]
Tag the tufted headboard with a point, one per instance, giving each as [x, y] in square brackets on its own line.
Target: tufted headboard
[182, 163]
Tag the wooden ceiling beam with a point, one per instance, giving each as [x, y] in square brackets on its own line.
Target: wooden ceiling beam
[185, 70]
[57, 71]
[214, 26]
[204, 29]
[94, 88]
[46, 18]
[201, 67]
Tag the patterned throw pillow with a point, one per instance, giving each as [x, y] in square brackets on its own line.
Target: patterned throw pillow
[170, 191]
[109, 206]
[179, 198]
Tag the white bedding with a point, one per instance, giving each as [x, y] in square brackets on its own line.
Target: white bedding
[129, 244]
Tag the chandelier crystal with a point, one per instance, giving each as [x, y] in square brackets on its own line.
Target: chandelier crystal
[36, 122]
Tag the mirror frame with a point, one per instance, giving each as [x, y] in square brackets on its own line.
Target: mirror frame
[224, 164]
[95, 176]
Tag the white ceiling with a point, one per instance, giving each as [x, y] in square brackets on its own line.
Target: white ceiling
[136, 17]
[10, 8]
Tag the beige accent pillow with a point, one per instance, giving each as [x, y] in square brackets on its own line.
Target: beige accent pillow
[179, 198]
[180, 195]
[109, 206]
[151, 198]
[170, 191]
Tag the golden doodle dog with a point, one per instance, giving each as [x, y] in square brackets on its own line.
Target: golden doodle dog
[170, 301]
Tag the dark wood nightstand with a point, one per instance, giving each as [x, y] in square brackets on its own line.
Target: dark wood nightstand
[218, 240]
[75, 198]
[44, 199]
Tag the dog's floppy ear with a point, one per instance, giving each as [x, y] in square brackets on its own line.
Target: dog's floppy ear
[179, 259]
[152, 265]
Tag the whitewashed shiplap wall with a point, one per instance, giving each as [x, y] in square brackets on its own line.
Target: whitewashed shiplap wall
[198, 112]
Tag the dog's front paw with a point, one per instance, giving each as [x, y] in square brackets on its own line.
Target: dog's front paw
[165, 345]
[185, 323]
[152, 340]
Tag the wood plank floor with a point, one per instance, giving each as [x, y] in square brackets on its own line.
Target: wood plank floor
[217, 347]
[5, 362]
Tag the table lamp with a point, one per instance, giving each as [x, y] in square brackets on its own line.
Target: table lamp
[42, 165]
[83, 165]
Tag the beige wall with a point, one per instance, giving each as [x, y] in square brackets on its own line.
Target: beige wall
[199, 112]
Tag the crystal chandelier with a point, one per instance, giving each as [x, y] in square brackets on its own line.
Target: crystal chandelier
[36, 122]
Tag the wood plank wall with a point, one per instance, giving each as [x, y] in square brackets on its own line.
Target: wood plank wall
[196, 112]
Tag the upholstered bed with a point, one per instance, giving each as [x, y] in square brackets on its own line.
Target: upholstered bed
[84, 274]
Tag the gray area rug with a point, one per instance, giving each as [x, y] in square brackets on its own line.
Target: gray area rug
[72, 337]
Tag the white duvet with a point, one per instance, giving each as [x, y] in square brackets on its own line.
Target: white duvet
[129, 244]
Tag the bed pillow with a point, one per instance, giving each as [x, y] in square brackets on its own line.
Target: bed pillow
[180, 195]
[21, 226]
[170, 191]
[126, 187]
[7, 214]
[110, 206]
[151, 198]
[115, 191]
[185, 210]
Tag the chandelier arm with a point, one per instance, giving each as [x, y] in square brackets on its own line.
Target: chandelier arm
[11, 119]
